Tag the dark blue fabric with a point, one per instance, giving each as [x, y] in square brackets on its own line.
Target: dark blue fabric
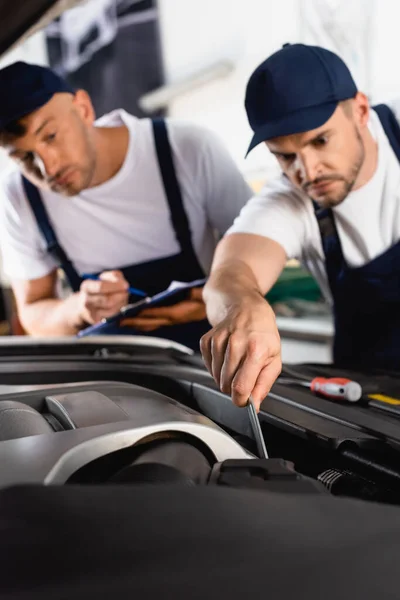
[153, 276]
[295, 89]
[28, 87]
[179, 218]
[366, 299]
[53, 247]
[390, 125]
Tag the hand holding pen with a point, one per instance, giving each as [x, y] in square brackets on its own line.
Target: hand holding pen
[133, 291]
[102, 296]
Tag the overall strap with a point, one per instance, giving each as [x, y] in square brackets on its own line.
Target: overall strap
[330, 243]
[172, 189]
[46, 229]
[391, 127]
[326, 222]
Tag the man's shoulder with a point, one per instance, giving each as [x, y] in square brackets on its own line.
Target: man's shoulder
[186, 135]
[278, 197]
[14, 208]
[11, 189]
[186, 138]
[183, 134]
[382, 123]
[114, 118]
[279, 187]
[393, 105]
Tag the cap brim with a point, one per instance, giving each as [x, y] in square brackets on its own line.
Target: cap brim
[25, 107]
[303, 120]
[23, 111]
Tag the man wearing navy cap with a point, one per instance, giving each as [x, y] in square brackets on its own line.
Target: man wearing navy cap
[336, 208]
[134, 202]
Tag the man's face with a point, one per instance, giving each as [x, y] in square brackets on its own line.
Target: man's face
[56, 150]
[325, 162]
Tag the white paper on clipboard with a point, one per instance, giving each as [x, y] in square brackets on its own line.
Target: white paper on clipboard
[181, 285]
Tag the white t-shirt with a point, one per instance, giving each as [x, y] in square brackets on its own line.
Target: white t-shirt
[126, 220]
[368, 221]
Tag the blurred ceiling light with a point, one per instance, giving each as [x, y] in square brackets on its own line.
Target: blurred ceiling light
[161, 97]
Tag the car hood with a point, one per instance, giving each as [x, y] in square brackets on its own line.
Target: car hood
[22, 18]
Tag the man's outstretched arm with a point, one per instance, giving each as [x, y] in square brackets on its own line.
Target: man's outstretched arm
[242, 351]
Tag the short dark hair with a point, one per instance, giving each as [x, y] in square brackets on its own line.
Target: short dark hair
[12, 130]
[347, 106]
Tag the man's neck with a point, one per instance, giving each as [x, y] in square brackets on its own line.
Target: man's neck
[370, 163]
[111, 145]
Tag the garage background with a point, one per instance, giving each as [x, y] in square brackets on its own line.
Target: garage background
[191, 59]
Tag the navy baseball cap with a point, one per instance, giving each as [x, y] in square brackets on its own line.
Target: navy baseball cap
[296, 89]
[25, 88]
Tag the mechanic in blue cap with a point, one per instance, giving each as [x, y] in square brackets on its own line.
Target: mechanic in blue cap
[131, 201]
[336, 208]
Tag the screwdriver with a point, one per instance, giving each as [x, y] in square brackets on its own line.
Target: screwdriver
[256, 428]
[334, 388]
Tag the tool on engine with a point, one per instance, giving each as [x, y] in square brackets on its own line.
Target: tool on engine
[256, 427]
[335, 388]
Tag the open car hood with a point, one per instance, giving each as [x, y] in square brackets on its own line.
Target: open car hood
[22, 18]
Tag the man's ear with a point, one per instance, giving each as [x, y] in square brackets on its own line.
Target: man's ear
[361, 109]
[84, 107]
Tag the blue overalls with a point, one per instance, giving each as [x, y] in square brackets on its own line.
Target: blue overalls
[367, 298]
[153, 276]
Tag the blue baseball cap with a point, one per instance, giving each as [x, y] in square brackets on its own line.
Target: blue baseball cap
[296, 89]
[25, 88]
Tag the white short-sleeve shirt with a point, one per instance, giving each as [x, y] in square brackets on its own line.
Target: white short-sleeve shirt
[126, 220]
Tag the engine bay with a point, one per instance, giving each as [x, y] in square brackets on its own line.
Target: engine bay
[94, 413]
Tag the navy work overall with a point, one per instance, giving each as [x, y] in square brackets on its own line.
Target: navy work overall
[367, 298]
[153, 276]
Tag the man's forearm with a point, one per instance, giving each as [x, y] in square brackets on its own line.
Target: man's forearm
[52, 317]
[230, 285]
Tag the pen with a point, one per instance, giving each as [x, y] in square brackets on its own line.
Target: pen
[131, 290]
[115, 318]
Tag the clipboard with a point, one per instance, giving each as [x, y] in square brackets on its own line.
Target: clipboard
[176, 292]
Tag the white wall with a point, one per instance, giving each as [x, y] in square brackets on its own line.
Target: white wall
[198, 33]
[33, 50]
[385, 72]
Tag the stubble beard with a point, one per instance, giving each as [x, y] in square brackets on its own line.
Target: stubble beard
[347, 182]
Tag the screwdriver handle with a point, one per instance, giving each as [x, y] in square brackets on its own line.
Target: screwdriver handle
[337, 388]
